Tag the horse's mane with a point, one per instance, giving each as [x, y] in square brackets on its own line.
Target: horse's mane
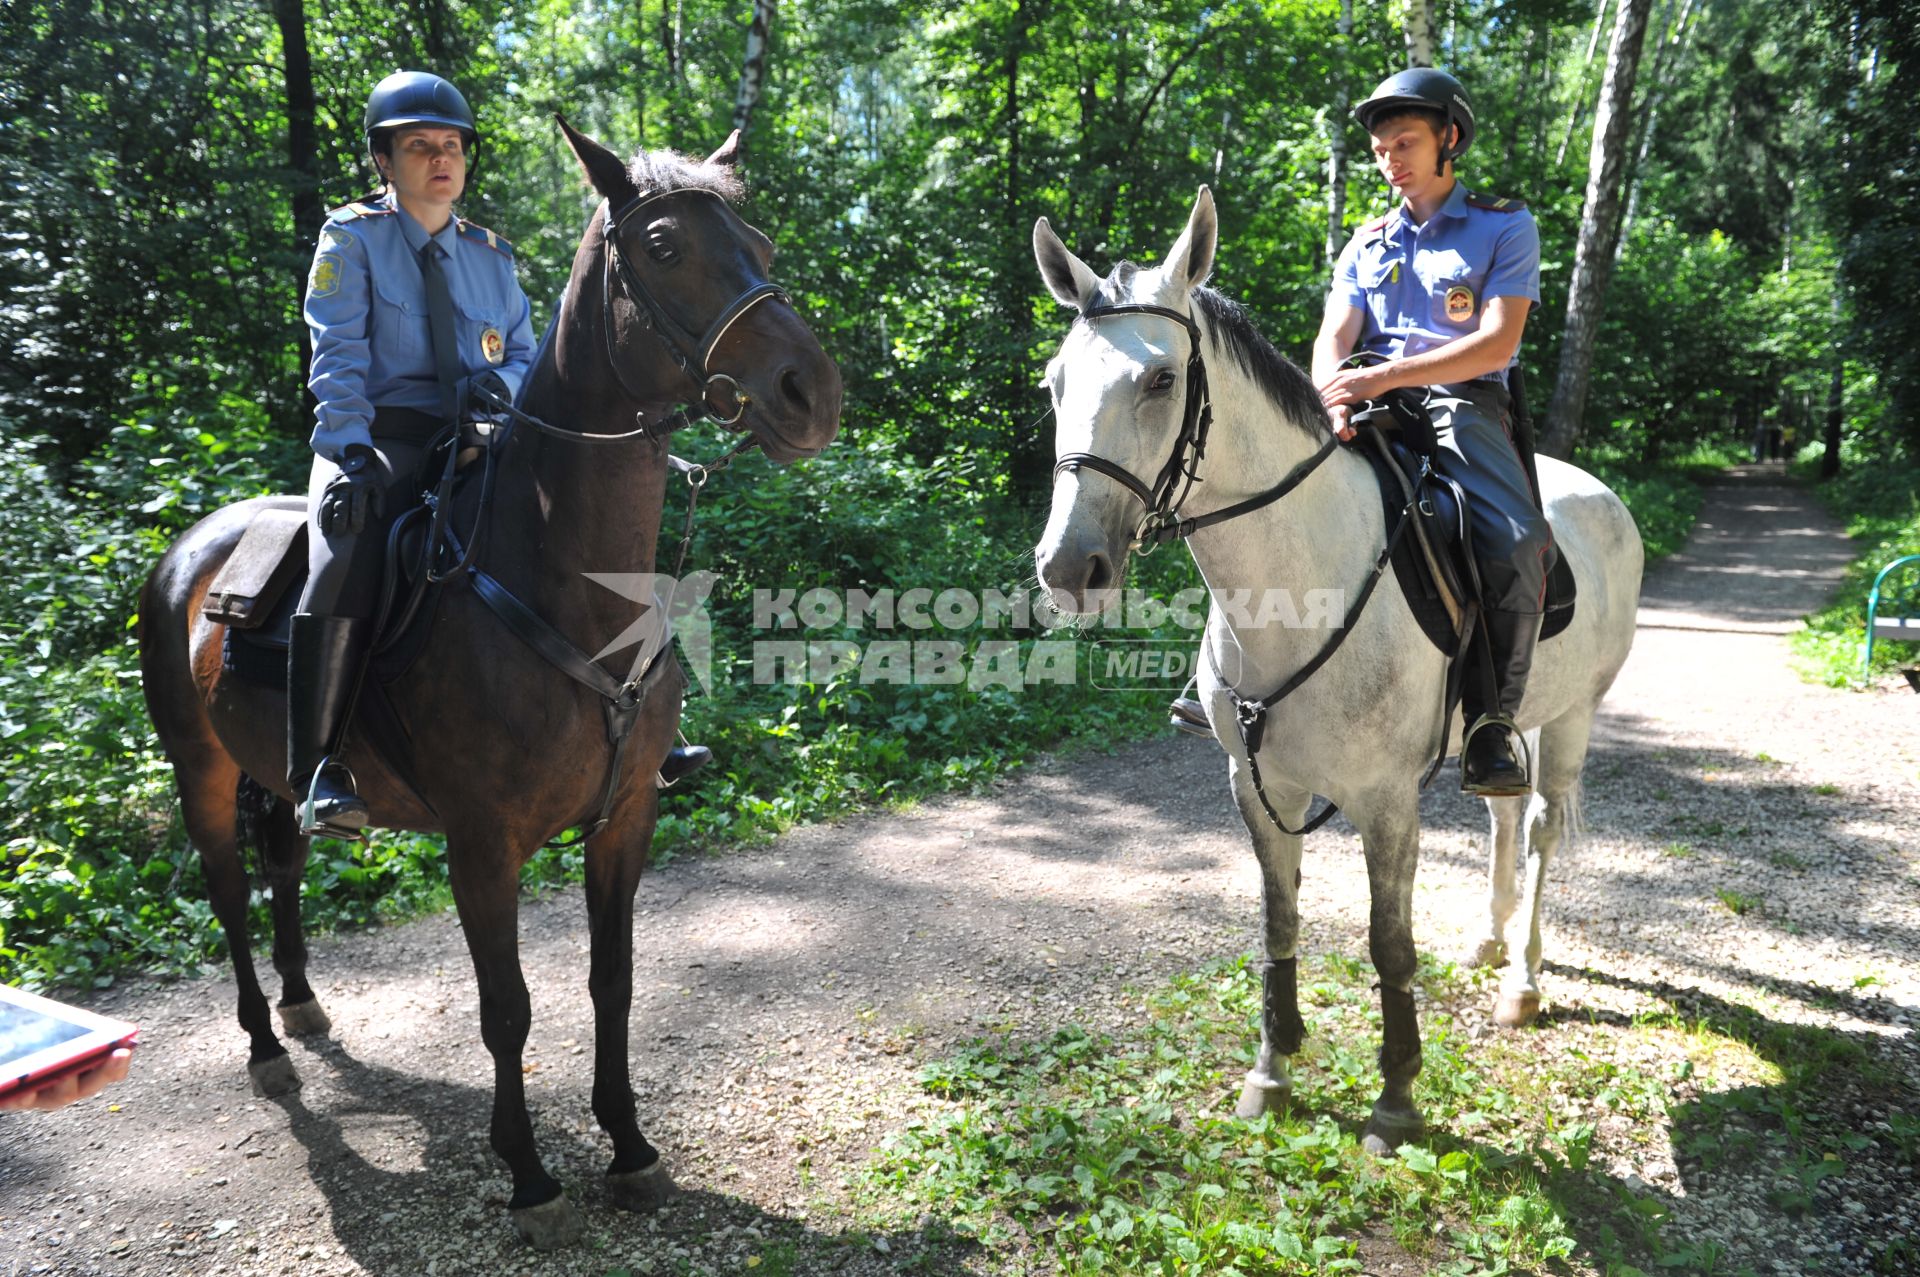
[1280, 378]
[1290, 389]
[658, 172]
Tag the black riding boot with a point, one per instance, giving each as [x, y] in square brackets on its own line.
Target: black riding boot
[681, 762]
[1491, 762]
[323, 667]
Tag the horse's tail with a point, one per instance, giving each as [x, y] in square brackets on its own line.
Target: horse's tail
[253, 804]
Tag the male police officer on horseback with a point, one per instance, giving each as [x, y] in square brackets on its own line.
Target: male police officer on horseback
[1438, 291]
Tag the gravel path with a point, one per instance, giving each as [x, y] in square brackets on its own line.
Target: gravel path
[785, 997]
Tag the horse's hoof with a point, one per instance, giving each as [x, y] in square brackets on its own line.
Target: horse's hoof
[1260, 1094]
[550, 1225]
[274, 1077]
[1387, 1130]
[1517, 1010]
[304, 1019]
[643, 1190]
[1488, 953]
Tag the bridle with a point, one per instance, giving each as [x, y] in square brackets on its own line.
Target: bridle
[621, 700]
[1182, 468]
[1163, 523]
[690, 350]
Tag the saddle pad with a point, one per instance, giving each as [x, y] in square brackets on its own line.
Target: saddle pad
[271, 553]
[1415, 577]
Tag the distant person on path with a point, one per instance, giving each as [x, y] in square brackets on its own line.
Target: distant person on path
[1435, 294]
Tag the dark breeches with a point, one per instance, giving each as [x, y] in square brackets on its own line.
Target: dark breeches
[1512, 543]
[344, 568]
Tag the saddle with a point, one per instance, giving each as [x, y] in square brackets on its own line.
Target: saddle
[258, 590]
[1434, 566]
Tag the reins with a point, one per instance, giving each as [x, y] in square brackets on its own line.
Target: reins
[621, 700]
[1162, 523]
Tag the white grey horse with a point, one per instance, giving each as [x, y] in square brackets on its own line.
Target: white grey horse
[1363, 727]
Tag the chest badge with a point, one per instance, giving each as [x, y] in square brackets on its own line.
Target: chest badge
[493, 345]
[1459, 304]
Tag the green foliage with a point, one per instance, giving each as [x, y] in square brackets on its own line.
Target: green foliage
[1116, 1153]
[151, 254]
[1881, 503]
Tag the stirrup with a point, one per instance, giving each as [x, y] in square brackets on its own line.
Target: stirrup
[1523, 758]
[690, 759]
[1188, 715]
[311, 828]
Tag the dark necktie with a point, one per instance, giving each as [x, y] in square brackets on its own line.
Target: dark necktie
[446, 348]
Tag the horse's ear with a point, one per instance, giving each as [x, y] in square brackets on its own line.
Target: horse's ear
[728, 156]
[602, 167]
[1191, 259]
[1070, 280]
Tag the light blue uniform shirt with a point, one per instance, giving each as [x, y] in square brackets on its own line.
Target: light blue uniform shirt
[367, 307]
[1421, 287]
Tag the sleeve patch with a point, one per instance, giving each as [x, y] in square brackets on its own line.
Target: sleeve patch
[325, 279]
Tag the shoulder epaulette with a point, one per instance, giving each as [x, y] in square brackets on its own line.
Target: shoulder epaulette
[357, 208]
[481, 235]
[1496, 203]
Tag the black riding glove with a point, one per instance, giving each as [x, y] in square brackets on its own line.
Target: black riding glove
[356, 494]
[486, 391]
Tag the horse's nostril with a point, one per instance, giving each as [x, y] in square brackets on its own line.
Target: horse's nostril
[1099, 572]
[791, 387]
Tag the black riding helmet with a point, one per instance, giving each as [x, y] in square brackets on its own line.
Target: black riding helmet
[1422, 88]
[416, 98]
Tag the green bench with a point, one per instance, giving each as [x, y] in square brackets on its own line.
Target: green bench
[1893, 612]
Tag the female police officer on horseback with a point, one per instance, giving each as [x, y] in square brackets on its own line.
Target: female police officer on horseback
[1439, 290]
[416, 316]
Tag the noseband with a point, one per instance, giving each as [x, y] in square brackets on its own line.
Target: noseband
[690, 350]
[1182, 469]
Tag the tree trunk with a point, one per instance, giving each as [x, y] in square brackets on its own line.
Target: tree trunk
[1580, 102]
[1660, 74]
[753, 70]
[303, 157]
[1836, 402]
[1599, 224]
[1419, 32]
[1337, 125]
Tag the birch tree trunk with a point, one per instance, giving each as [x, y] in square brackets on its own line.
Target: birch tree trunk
[1337, 125]
[1599, 224]
[1580, 102]
[1419, 31]
[753, 70]
[1660, 75]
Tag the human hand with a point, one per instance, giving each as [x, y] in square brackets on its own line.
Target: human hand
[354, 495]
[1342, 422]
[485, 392]
[1356, 385]
[58, 1092]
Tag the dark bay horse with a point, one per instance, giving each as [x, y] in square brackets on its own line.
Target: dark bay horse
[509, 750]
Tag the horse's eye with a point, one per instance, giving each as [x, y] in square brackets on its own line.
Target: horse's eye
[1163, 380]
[661, 251]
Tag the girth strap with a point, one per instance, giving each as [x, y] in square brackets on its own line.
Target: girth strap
[622, 701]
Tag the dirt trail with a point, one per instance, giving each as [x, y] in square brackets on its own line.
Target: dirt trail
[785, 996]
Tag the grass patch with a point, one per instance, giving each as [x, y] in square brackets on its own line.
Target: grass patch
[1880, 503]
[1120, 1155]
[1081, 1152]
[1738, 903]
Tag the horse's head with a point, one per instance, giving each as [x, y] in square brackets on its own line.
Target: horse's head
[688, 311]
[1119, 385]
